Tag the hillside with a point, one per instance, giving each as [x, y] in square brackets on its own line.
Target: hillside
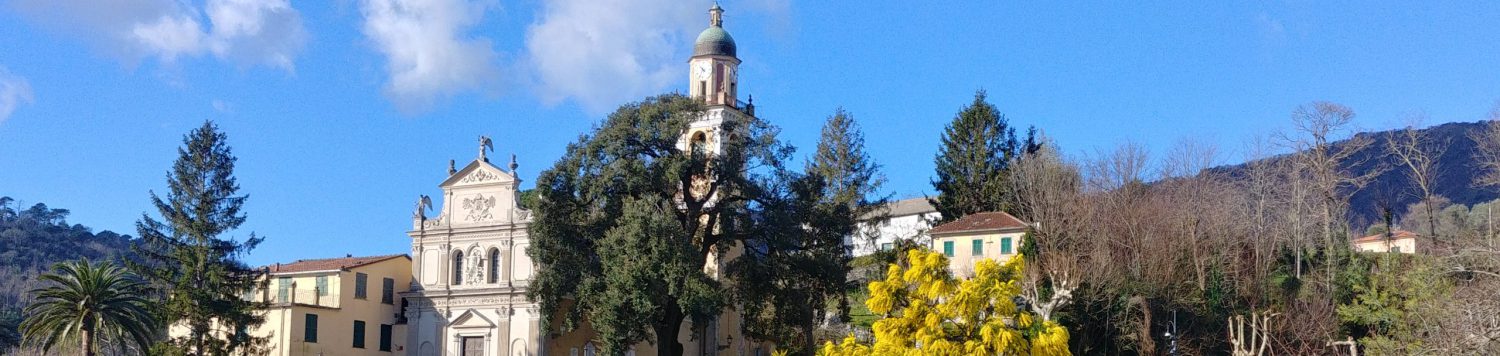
[34, 238]
[1455, 179]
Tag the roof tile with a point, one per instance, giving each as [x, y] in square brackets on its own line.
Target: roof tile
[997, 220]
[327, 264]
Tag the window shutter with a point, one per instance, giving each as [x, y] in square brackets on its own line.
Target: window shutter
[360, 282]
[359, 334]
[310, 329]
[387, 290]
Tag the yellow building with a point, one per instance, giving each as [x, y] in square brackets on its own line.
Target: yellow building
[1400, 241]
[337, 306]
[992, 235]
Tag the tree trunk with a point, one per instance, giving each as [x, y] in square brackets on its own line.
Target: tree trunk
[87, 334]
[666, 334]
[808, 339]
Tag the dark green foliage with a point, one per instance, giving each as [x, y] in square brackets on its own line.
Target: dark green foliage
[87, 303]
[188, 255]
[35, 238]
[10, 328]
[785, 283]
[617, 233]
[972, 163]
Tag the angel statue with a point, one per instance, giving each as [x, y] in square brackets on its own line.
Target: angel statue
[485, 144]
[424, 203]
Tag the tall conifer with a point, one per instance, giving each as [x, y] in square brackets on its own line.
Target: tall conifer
[786, 284]
[188, 255]
[972, 163]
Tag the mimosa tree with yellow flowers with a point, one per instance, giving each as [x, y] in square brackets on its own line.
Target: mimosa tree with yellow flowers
[929, 312]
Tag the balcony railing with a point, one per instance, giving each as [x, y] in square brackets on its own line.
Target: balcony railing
[304, 297]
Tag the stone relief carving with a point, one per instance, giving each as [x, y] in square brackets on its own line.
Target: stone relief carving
[480, 176]
[476, 270]
[479, 208]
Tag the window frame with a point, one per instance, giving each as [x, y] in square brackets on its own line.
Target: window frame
[388, 291]
[310, 328]
[359, 334]
[320, 285]
[385, 338]
[361, 285]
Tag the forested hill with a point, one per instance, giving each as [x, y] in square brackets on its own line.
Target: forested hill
[1393, 186]
[33, 238]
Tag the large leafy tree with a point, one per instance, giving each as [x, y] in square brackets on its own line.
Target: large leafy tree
[929, 312]
[626, 222]
[188, 255]
[786, 282]
[88, 303]
[972, 163]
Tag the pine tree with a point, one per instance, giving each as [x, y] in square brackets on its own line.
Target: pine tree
[189, 257]
[785, 286]
[972, 163]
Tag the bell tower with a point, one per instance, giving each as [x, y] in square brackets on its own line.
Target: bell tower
[714, 68]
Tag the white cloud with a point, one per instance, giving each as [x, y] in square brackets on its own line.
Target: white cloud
[246, 32]
[605, 53]
[429, 49]
[14, 91]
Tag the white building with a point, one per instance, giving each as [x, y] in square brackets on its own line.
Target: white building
[471, 271]
[909, 219]
[470, 267]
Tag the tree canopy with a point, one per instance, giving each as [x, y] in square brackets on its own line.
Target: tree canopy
[631, 230]
[188, 255]
[928, 311]
[974, 158]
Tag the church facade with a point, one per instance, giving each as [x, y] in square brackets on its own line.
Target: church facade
[469, 261]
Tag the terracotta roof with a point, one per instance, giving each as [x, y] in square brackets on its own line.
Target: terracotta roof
[328, 264]
[990, 221]
[903, 207]
[1399, 234]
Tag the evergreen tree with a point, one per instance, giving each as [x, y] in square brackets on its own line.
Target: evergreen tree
[786, 283]
[626, 221]
[188, 256]
[972, 163]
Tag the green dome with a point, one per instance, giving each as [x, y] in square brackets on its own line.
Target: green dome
[714, 41]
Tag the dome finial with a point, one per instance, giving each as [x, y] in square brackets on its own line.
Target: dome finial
[716, 15]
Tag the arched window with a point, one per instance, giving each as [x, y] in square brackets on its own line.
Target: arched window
[588, 349]
[458, 267]
[494, 265]
[699, 143]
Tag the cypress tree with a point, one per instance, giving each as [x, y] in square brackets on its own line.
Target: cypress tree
[974, 159]
[188, 255]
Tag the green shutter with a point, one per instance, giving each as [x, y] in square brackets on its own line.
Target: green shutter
[385, 337]
[387, 290]
[948, 248]
[322, 286]
[283, 285]
[1005, 246]
[310, 329]
[978, 249]
[360, 282]
[359, 334]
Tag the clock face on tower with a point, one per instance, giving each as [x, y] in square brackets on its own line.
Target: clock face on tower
[700, 69]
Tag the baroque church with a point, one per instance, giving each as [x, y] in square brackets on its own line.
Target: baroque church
[469, 262]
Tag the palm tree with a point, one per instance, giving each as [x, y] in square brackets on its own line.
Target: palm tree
[88, 302]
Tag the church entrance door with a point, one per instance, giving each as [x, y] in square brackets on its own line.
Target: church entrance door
[473, 346]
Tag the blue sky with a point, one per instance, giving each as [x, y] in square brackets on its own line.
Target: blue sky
[343, 111]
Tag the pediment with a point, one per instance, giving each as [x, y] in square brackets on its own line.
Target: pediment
[478, 172]
[471, 319]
